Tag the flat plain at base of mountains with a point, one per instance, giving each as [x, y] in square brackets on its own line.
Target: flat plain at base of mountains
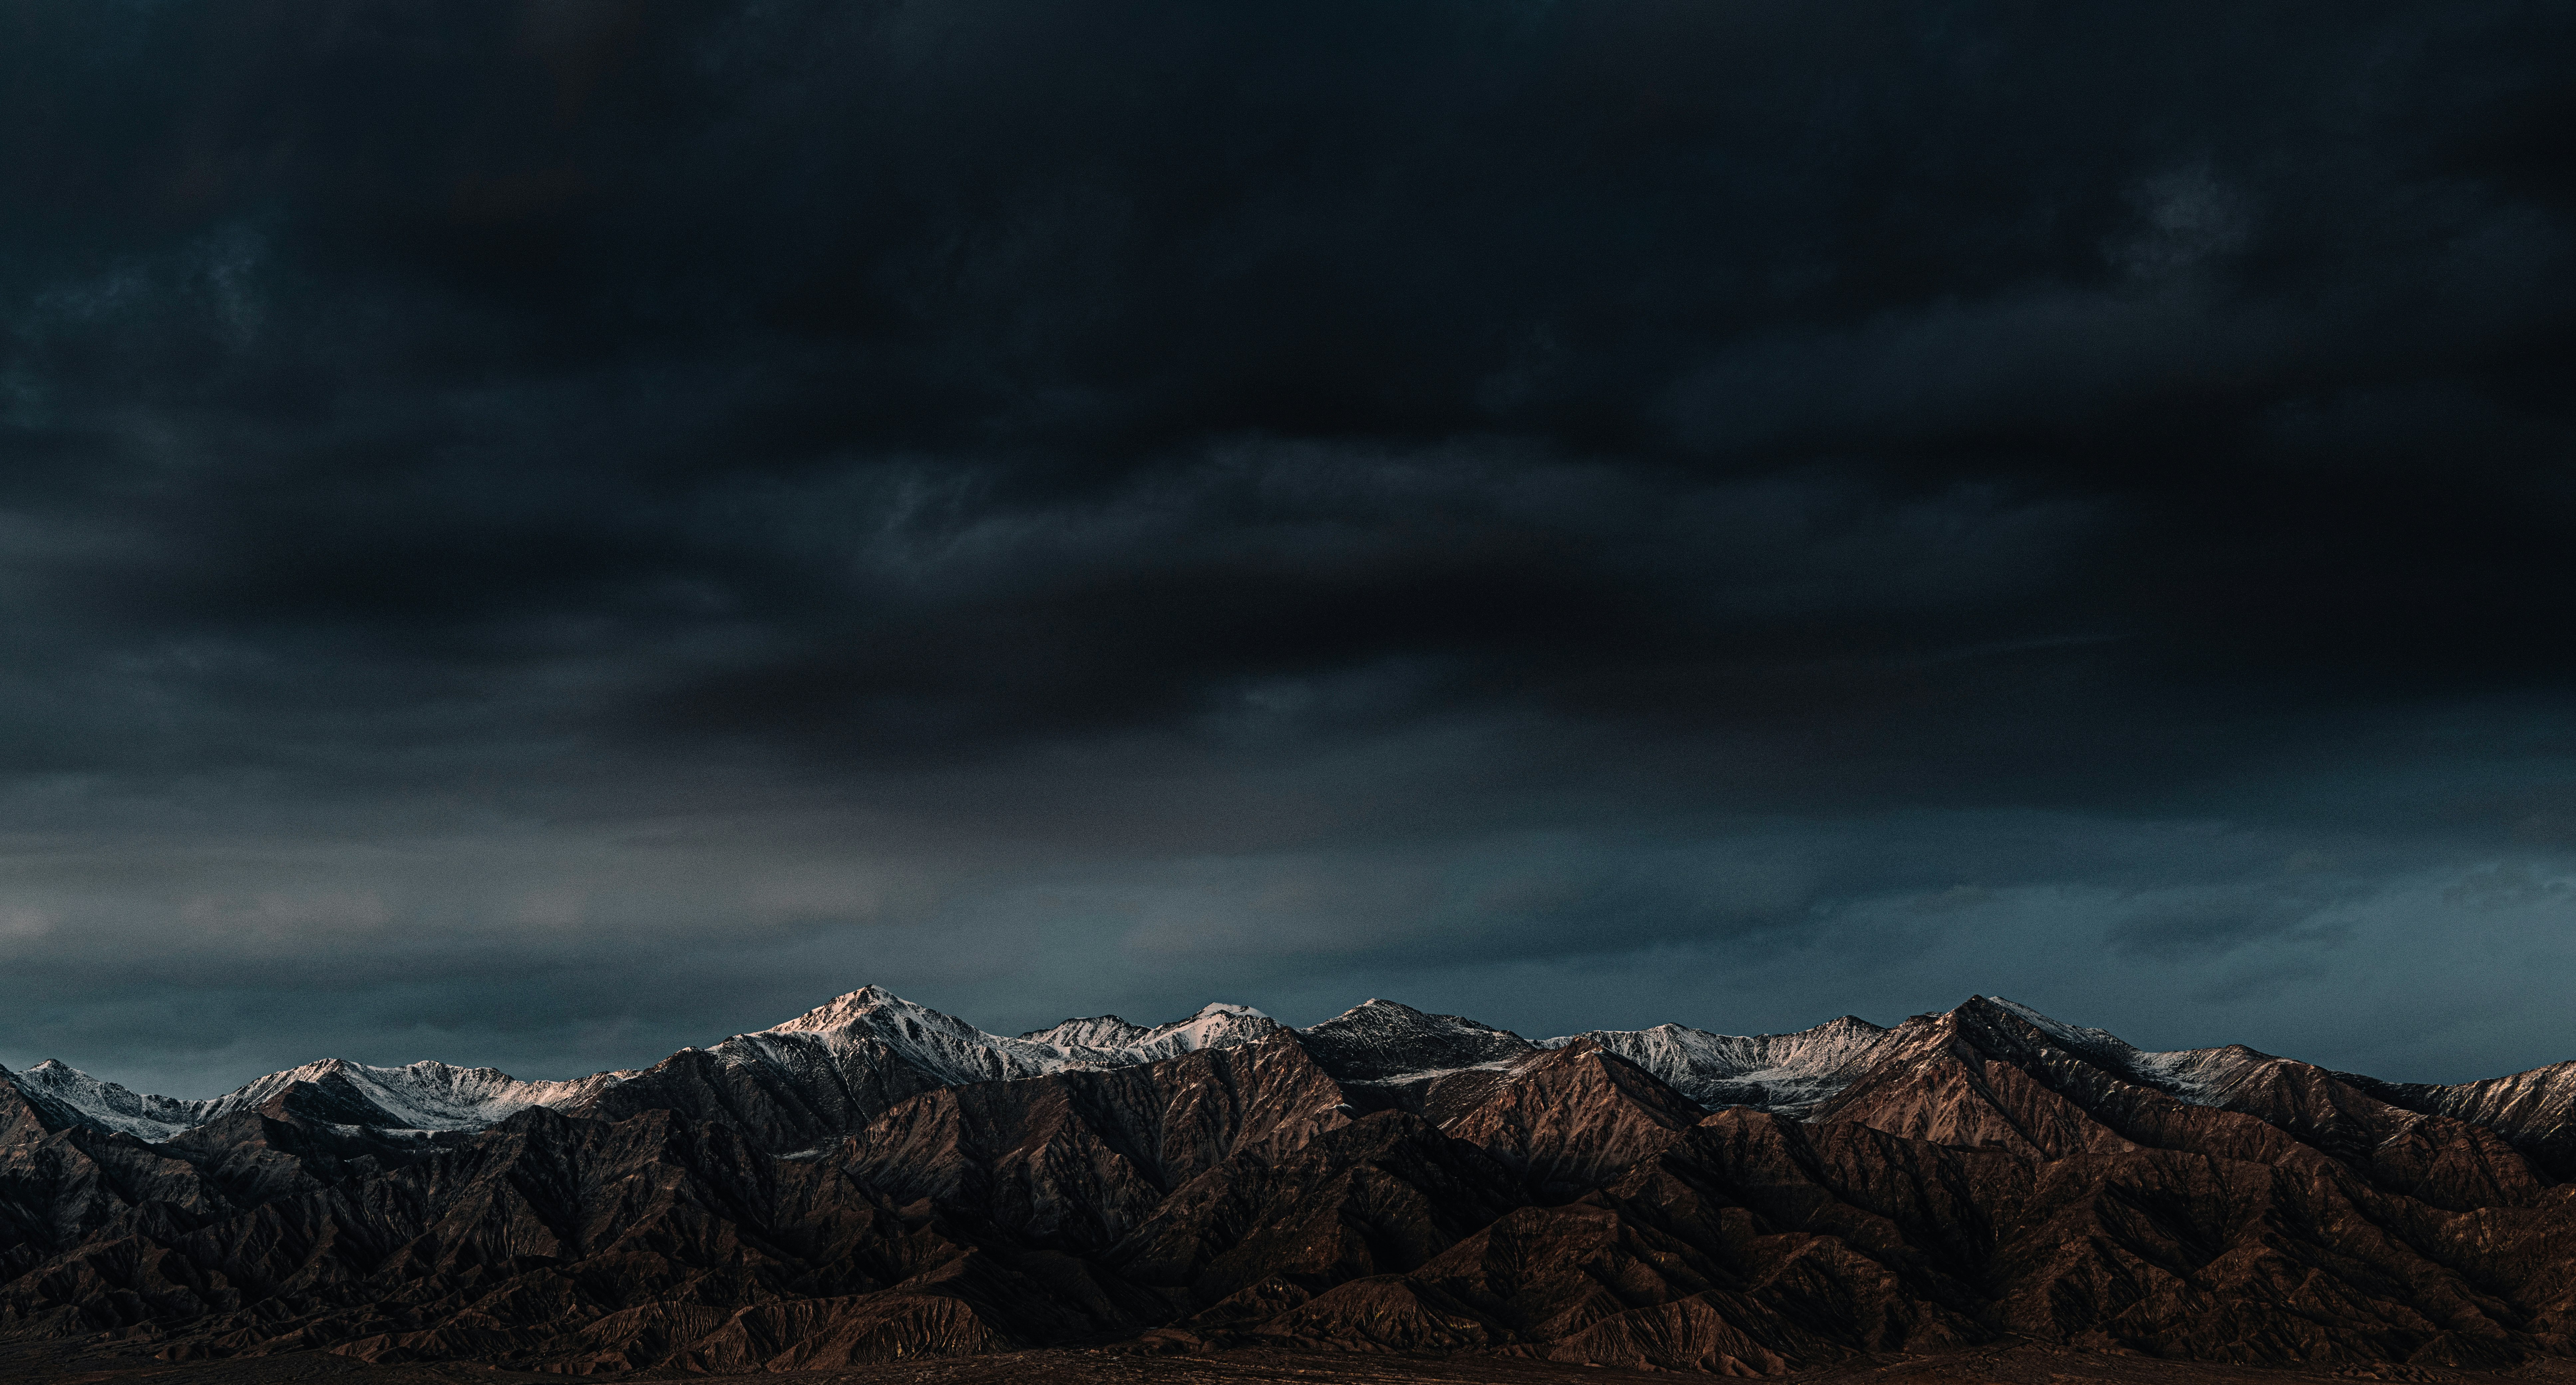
[2019, 1364]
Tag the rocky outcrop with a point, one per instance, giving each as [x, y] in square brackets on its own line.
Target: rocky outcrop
[1573, 1118]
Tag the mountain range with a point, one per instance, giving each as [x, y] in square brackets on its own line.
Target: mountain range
[874, 1180]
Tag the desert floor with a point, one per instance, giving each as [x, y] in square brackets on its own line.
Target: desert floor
[85, 1364]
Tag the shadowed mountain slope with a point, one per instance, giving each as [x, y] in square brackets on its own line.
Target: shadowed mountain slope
[875, 1181]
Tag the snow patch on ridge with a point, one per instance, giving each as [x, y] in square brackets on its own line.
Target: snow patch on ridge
[1216, 1025]
[2538, 1104]
[1097, 1031]
[2075, 1036]
[1787, 1073]
[418, 1096]
[954, 1051]
[2194, 1076]
[105, 1104]
[1796, 1074]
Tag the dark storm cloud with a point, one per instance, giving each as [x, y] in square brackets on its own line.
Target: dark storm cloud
[508, 505]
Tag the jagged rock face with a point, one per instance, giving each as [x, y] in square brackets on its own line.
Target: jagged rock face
[2533, 1109]
[1390, 1055]
[791, 1092]
[1573, 1118]
[1382, 1041]
[1078, 1160]
[841, 1190]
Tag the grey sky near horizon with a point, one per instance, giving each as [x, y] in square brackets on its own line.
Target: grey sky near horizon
[537, 533]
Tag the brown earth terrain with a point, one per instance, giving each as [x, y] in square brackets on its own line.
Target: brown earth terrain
[1979, 1195]
[2013, 1364]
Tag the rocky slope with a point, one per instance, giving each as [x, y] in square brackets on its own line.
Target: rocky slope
[876, 1181]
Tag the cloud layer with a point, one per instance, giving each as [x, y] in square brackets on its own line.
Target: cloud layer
[540, 534]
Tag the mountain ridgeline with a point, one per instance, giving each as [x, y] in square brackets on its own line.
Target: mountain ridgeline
[875, 1180]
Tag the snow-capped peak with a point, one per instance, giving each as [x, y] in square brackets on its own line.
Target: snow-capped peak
[872, 1007]
[106, 1105]
[850, 1027]
[1216, 1025]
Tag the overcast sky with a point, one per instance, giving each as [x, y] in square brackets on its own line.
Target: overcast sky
[539, 533]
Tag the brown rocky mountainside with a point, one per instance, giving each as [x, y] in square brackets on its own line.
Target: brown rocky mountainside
[879, 1183]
